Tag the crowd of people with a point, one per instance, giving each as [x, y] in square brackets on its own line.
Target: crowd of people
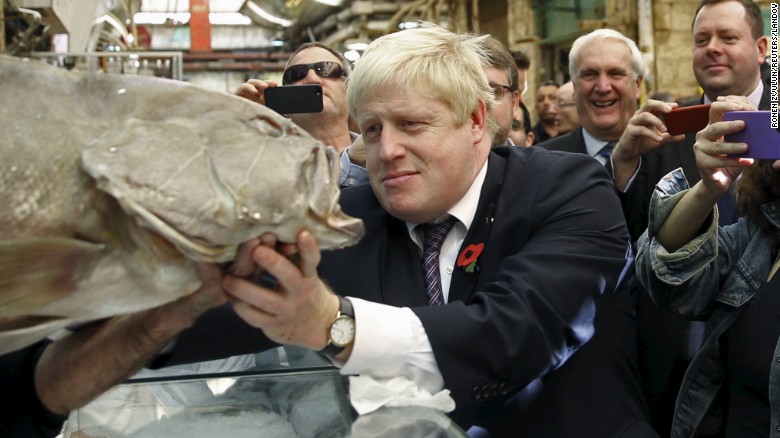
[500, 272]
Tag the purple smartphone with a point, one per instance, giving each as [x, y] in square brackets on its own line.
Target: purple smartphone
[762, 139]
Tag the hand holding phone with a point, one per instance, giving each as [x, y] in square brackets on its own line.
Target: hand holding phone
[763, 141]
[682, 120]
[294, 99]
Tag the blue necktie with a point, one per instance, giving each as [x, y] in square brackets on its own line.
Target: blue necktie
[606, 152]
[433, 237]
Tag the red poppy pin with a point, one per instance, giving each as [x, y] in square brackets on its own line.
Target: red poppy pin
[468, 257]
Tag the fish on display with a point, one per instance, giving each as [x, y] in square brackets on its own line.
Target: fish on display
[112, 186]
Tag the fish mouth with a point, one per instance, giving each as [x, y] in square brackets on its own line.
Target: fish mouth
[334, 228]
[346, 231]
[188, 247]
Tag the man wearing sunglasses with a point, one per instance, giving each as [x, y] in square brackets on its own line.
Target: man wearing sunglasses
[314, 63]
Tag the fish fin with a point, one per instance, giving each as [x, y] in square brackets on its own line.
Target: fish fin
[21, 332]
[35, 272]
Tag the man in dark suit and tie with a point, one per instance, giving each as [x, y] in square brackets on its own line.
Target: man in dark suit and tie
[492, 274]
[607, 69]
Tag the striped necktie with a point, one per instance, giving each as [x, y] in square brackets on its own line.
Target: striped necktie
[433, 237]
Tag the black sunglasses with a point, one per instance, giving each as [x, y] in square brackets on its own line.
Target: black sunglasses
[324, 69]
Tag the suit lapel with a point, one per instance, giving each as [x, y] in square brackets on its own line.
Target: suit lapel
[463, 283]
[401, 281]
[573, 141]
[581, 147]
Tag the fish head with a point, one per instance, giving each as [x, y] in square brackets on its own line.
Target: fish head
[217, 171]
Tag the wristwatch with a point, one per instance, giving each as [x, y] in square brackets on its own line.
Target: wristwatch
[342, 330]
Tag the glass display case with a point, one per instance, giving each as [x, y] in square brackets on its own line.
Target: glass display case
[285, 392]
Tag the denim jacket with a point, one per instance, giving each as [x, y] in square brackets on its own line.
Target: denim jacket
[351, 174]
[709, 279]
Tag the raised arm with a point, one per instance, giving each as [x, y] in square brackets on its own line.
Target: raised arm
[645, 132]
[718, 172]
[254, 90]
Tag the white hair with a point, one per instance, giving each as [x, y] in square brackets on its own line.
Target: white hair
[580, 43]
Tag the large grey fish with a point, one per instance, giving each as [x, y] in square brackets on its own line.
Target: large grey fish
[112, 185]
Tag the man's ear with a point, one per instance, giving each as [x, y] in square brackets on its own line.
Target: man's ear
[516, 104]
[762, 44]
[529, 138]
[479, 122]
[639, 80]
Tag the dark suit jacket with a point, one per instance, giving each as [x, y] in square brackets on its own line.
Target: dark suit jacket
[573, 141]
[661, 335]
[510, 342]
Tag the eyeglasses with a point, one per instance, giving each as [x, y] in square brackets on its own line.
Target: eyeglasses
[324, 69]
[500, 90]
[562, 104]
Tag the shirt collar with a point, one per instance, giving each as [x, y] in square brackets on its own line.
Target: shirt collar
[592, 144]
[754, 97]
